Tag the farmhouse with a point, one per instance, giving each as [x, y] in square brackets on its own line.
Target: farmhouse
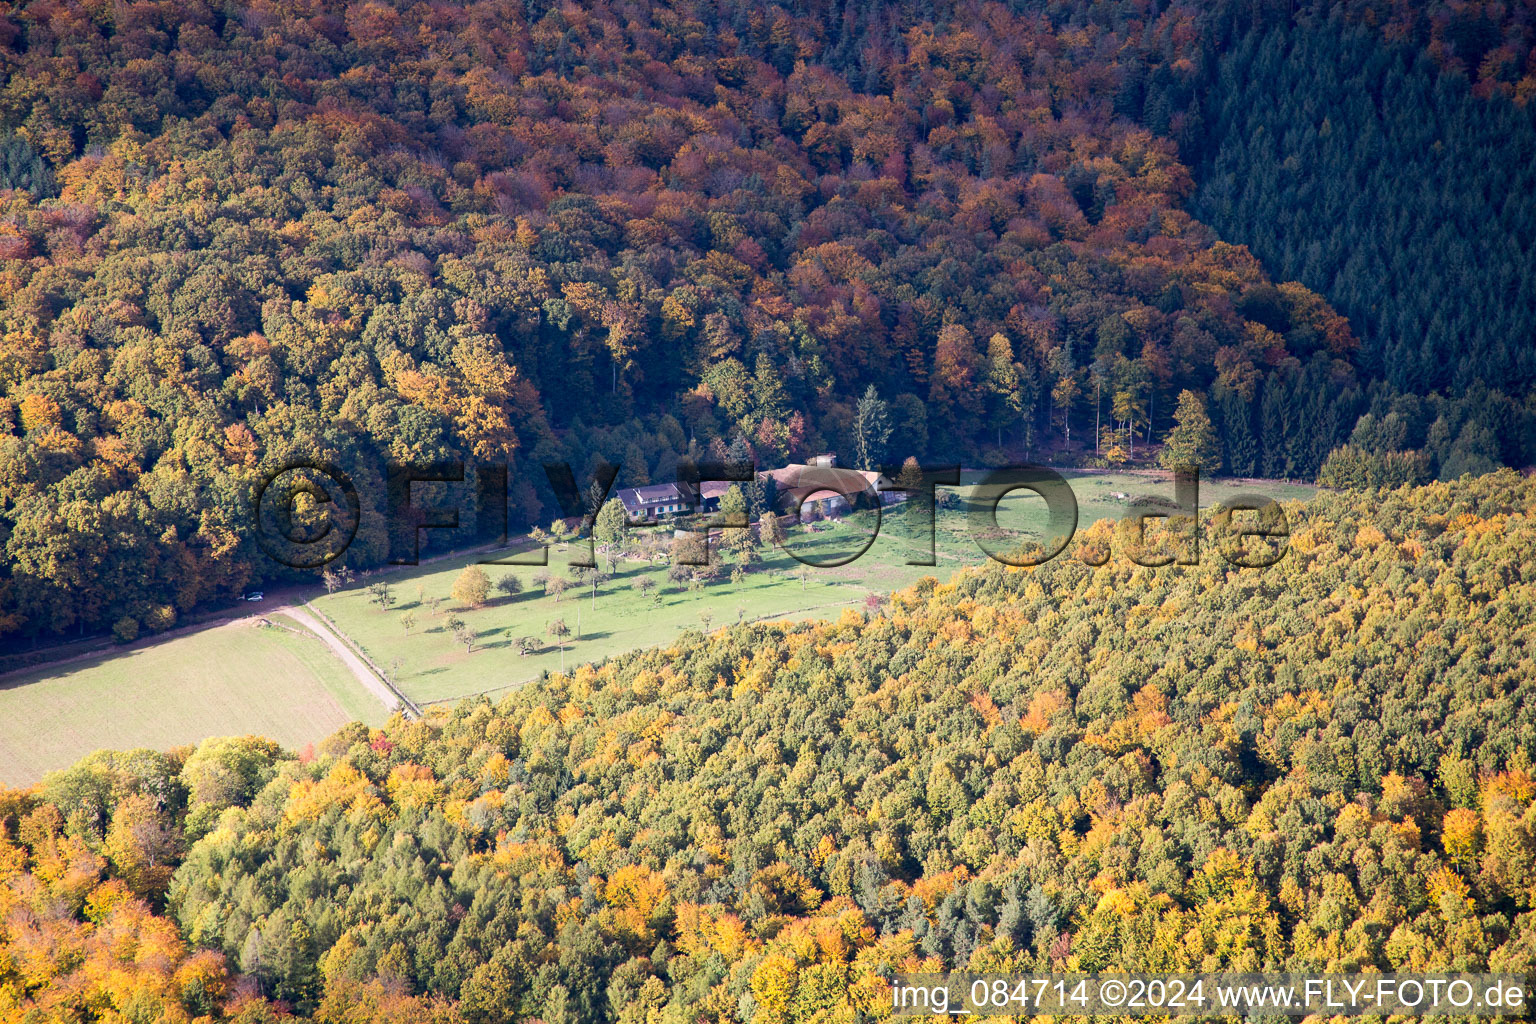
[817, 482]
[655, 501]
[710, 493]
[820, 482]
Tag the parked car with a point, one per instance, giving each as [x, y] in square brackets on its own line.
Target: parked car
[254, 595]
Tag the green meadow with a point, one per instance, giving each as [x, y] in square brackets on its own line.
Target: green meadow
[232, 679]
[429, 664]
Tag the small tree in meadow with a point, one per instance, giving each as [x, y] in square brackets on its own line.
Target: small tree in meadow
[771, 530]
[643, 588]
[608, 530]
[473, 587]
[465, 636]
[910, 479]
[559, 630]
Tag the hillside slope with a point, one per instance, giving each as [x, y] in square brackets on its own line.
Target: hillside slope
[1323, 765]
[417, 232]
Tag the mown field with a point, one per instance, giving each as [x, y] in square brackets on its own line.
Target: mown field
[429, 664]
[232, 679]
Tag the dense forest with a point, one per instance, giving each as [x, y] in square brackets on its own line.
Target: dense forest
[1411, 204]
[237, 235]
[1272, 238]
[1322, 765]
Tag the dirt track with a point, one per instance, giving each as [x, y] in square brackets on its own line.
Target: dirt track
[364, 675]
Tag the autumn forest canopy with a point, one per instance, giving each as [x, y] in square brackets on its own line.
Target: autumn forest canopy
[1274, 239]
[238, 235]
[1323, 766]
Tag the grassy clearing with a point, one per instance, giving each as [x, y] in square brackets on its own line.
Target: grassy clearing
[236, 679]
[233, 679]
[430, 665]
